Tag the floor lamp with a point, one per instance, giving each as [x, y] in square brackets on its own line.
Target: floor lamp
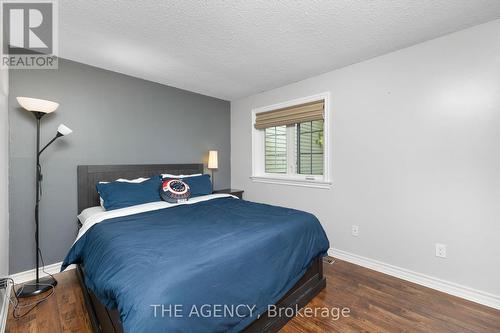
[39, 108]
[213, 163]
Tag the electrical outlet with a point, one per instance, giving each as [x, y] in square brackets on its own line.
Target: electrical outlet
[440, 250]
[355, 230]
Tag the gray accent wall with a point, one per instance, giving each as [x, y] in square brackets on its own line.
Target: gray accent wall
[116, 119]
[4, 173]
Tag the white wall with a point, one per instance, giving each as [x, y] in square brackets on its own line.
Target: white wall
[416, 156]
[4, 177]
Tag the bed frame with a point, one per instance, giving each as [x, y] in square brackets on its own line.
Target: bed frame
[106, 320]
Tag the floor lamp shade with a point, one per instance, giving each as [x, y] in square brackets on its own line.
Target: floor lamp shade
[37, 105]
[64, 130]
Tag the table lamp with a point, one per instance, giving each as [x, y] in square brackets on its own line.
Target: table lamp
[213, 163]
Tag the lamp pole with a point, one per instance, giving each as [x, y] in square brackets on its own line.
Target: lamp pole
[38, 116]
[213, 179]
[40, 285]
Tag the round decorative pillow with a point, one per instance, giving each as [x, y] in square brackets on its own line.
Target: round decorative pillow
[174, 191]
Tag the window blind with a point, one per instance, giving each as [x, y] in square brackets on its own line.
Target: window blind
[291, 115]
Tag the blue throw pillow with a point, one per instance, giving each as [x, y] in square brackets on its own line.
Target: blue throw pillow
[117, 195]
[199, 185]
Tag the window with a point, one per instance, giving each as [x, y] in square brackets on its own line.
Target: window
[276, 149]
[307, 150]
[310, 148]
[290, 143]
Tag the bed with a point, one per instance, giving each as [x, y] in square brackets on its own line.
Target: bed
[197, 264]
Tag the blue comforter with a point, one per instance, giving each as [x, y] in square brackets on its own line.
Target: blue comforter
[213, 266]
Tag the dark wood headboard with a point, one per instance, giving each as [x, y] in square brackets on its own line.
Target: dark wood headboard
[90, 175]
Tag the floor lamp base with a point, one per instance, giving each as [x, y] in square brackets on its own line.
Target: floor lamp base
[32, 288]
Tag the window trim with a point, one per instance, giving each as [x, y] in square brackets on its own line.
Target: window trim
[258, 158]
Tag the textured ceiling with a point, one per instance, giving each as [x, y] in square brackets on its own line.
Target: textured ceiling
[230, 49]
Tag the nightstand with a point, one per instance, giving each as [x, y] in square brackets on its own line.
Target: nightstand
[233, 191]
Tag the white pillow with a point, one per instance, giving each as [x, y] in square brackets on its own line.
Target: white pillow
[168, 175]
[136, 181]
[89, 212]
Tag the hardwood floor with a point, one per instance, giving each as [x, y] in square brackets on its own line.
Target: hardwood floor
[382, 303]
[377, 303]
[62, 312]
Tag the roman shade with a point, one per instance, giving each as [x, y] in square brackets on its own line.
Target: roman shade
[291, 115]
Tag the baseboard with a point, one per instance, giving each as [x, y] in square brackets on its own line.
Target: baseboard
[448, 287]
[30, 275]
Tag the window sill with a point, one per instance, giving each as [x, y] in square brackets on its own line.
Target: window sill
[292, 181]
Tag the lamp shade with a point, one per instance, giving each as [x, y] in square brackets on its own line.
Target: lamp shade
[37, 105]
[213, 159]
[64, 130]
